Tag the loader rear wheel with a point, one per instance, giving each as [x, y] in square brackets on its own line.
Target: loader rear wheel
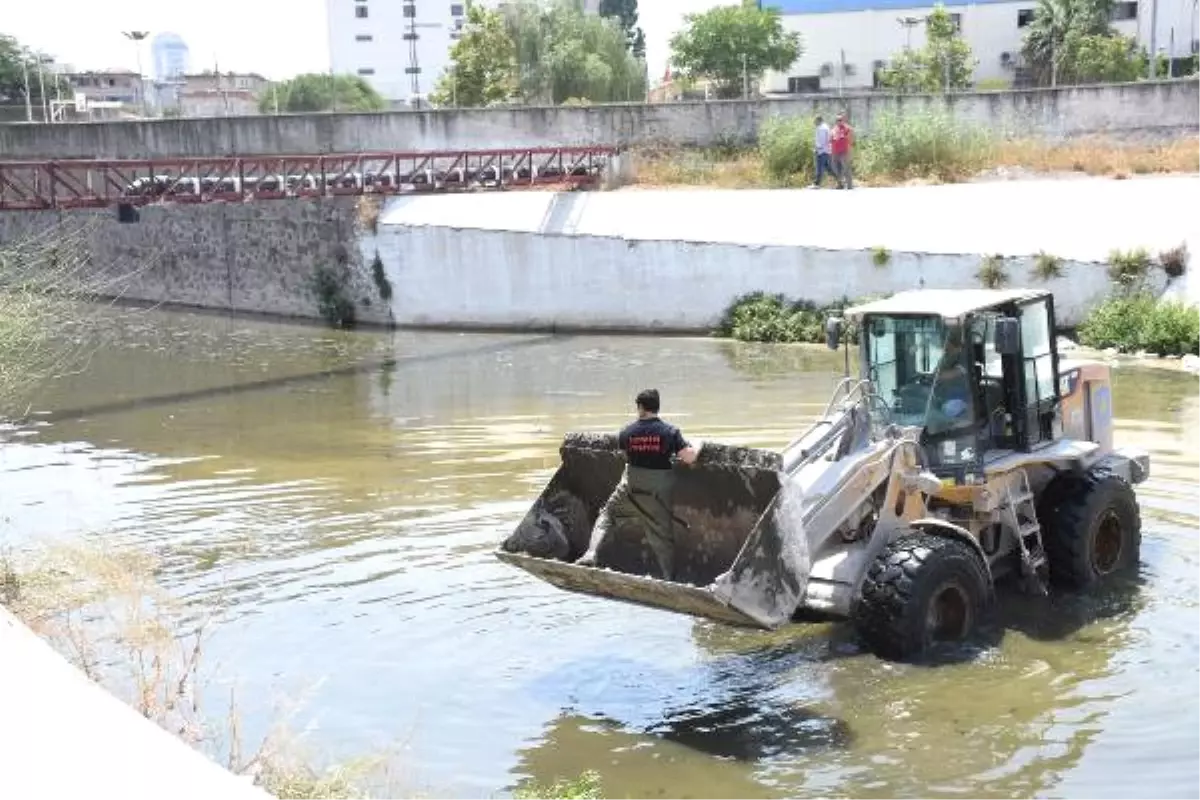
[923, 590]
[1092, 528]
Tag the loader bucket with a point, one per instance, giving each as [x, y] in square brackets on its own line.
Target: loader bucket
[740, 551]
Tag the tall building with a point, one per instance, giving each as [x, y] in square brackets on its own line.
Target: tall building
[400, 47]
[171, 58]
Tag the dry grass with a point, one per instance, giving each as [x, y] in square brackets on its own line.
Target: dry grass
[105, 611]
[744, 170]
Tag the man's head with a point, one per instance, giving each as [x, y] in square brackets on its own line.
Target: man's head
[820, 120]
[647, 402]
[841, 118]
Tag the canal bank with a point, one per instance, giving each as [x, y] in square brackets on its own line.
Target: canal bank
[629, 260]
[673, 260]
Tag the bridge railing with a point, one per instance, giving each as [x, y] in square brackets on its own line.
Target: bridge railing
[78, 183]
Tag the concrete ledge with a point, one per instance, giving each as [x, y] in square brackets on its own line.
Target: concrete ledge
[672, 260]
[64, 736]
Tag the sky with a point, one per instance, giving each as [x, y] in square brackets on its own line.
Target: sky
[275, 38]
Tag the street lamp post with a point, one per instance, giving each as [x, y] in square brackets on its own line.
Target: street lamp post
[28, 90]
[136, 37]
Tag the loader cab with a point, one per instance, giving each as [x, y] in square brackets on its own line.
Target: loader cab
[977, 371]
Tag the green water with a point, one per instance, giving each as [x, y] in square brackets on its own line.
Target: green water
[337, 495]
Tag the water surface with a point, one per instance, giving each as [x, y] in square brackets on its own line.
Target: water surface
[337, 495]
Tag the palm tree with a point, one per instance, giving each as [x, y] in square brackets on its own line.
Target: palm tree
[1056, 25]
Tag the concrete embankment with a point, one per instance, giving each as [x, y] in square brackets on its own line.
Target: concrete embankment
[673, 260]
[663, 260]
[1143, 108]
[64, 736]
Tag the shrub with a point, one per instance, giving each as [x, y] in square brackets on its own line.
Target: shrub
[1140, 322]
[1128, 268]
[761, 317]
[924, 144]
[785, 145]
[381, 282]
[881, 256]
[585, 787]
[991, 272]
[1047, 267]
[1174, 261]
[333, 303]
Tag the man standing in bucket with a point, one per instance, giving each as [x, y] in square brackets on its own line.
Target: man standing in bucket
[644, 494]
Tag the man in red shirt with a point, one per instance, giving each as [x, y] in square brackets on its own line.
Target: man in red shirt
[840, 141]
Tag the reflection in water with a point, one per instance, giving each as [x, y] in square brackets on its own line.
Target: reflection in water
[338, 495]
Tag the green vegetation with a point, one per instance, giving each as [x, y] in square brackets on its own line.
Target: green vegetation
[1139, 321]
[1073, 42]
[929, 143]
[943, 64]
[762, 317]
[1128, 268]
[333, 301]
[992, 273]
[543, 52]
[625, 12]
[585, 787]
[1047, 267]
[880, 256]
[732, 44]
[322, 92]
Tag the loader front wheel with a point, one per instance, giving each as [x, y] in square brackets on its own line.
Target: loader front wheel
[1091, 526]
[922, 591]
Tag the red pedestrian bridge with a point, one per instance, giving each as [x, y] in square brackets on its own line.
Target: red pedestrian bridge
[99, 183]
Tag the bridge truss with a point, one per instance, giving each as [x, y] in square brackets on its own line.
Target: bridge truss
[85, 183]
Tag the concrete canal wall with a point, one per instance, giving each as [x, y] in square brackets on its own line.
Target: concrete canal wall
[664, 260]
[256, 257]
[673, 260]
[1150, 107]
[65, 736]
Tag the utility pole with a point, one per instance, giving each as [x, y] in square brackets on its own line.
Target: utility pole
[1153, 68]
[42, 89]
[28, 89]
[136, 37]
[745, 79]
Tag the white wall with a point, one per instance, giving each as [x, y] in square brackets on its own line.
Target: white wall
[387, 53]
[990, 28]
[674, 260]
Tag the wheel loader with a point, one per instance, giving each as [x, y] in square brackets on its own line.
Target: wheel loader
[966, 452]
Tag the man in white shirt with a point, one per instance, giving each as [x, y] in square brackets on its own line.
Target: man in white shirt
[821, 147]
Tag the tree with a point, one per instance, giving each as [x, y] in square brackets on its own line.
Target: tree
[322, 92]
[944, 63]
[1106, 58]
[1055, 32]
[730, 43]
[483, 68]
[626, 14]
[563, 53]
[17, 62]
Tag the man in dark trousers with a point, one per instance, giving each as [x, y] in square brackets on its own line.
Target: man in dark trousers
[644, 493]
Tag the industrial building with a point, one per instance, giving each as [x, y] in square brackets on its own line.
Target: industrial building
[847, 42]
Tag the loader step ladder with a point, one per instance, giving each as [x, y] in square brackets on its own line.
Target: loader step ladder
[1020, 514]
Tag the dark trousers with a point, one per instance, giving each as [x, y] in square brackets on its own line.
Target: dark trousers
[823, 166]
[841, 168]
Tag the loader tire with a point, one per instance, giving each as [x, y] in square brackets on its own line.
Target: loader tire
[1091, 528]
[922, 590]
